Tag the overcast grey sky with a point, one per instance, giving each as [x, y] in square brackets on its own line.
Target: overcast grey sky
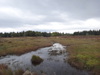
[49, 15]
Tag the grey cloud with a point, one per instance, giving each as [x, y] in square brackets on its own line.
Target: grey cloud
[9, 22]
[75, 9]
[80, 9]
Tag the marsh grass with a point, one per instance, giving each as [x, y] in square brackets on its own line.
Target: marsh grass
[22, 45]
[85, 54]
[36, 60]
[84, 51]
[5, 70]
[18, 72]
[3, 66]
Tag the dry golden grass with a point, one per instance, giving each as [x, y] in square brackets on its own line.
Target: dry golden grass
[22, 45]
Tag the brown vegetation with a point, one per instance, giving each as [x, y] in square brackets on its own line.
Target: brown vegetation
[21, 45]
[84, 51]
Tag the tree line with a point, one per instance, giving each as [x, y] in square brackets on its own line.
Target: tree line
[90, 32]
[46, 34]
[30, 33]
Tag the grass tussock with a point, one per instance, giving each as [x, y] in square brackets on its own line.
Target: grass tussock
[4, 70]
[36, 60]
[84, 51]
[3, 66]
[18, 72]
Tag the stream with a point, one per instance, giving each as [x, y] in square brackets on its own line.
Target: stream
[54, 61]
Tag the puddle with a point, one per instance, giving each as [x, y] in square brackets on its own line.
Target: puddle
[53, 64]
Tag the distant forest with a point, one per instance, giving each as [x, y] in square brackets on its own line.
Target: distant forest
[46, 34]
[91, 32]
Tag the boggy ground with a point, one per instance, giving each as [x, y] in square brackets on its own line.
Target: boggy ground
[84, 51]
[22, 45]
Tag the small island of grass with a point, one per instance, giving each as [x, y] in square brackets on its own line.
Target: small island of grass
[36, 60]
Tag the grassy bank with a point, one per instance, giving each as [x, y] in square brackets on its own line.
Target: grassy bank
[22, 45]
[85, 54]
[84, 51]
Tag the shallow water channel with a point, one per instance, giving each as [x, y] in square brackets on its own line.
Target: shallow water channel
[53, 64]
